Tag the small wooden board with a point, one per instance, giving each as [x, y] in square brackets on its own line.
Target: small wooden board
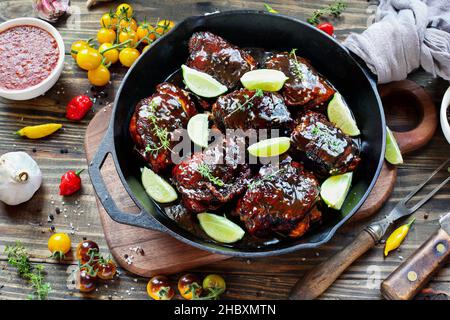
[163, 254]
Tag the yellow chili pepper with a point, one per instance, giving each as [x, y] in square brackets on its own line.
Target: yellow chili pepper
[396, 238]
[40, 131]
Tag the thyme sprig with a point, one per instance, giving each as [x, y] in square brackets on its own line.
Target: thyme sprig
[204, 170]
[248, 103]
[297, 65]
[335, 9]
[161, 133]
[18, 257]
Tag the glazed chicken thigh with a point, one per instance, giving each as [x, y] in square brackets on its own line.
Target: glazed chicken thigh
[154, 122]
[215, 56]
[281, 200]
[208, 180]
[305, 87]
[245, 109]
[326, 147]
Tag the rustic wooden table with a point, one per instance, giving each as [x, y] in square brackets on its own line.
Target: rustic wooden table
[266, 278]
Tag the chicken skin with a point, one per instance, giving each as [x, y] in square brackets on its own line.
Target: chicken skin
[247, 109]
[305, 87]
[280, 201]
[325, 147]
[154, 121]
[207, 180]
[215, 56]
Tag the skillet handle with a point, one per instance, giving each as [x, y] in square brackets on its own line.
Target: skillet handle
[143, 219]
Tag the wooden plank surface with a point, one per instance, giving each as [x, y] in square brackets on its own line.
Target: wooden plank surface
[268, 278]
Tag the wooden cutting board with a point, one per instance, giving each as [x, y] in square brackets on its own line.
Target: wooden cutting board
[146, 252]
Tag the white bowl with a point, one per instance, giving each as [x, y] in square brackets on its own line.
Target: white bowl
[46, 84]
[444, 120]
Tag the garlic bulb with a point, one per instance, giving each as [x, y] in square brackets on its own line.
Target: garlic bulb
[20, 177]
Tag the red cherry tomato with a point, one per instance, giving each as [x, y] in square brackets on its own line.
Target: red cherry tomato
[326, 27]
[86, 250]
[106, 269]
[86, 281]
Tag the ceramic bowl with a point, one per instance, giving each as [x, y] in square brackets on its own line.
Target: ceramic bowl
[45, 85]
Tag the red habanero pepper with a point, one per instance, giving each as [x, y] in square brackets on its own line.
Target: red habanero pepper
[78, 107]
[326, 27]
[70, 182]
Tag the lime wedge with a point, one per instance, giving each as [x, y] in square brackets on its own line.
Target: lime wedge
[157, 188]
[393, 154]
[270, 147]
[334, 190]
[202, 84]
[264, 79]
[340, 115]
[198, 130]
[220, 228]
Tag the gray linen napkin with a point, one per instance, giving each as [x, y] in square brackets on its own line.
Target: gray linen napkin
[407, 34]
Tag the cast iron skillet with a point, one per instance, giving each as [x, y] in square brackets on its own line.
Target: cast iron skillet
[244, 29]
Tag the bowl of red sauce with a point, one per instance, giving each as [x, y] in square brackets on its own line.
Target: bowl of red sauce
[31, 58]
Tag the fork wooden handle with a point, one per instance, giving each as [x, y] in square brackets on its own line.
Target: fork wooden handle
[316, 281]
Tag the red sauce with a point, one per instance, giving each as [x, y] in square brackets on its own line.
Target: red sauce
[28, 55]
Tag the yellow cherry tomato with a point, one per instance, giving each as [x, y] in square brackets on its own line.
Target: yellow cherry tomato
[164, 26]
[99, 77]
[159, 288]
[77, 46]
[189, 287]
[39, 131]
[128, 56]
[112, 55]
[108, 20]
[145, 30]
[215, 284]
[397, 236]
[124, 10]
[89, 59]
[127, 23]
[145, 48]
[106, 35]
[59, 244]
[128, 34]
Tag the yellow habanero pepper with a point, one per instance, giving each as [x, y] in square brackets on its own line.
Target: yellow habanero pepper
[396, 238]
[40, 131]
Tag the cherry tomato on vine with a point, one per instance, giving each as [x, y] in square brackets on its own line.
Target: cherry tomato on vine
[109, 20]
[77, 46]
[106, 35]
[159, 288]
[106, 269]
[128, 56]
[214, 283]
[127, 23]
[86, 280]
[128, 34]
[99, 77]
[59, 245]
[124, 10]
[145, 30]
[189, 286]
[89, 59]
[86, 249]
[164, 26]
[326, 27]
[112, 55]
